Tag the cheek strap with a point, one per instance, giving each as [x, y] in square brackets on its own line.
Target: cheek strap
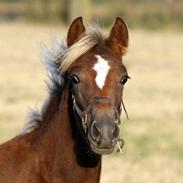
[123, 107]
[82, 114]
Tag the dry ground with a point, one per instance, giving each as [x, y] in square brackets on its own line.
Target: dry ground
[153, 152]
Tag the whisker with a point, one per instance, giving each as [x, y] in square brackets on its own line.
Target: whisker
[119, 147]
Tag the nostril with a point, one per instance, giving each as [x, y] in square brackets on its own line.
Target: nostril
[115, 131]
[95, 131]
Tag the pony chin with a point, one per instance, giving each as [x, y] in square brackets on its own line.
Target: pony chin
[101, 151]
[98, 150]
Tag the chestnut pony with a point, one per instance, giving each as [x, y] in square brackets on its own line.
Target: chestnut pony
[79, 122]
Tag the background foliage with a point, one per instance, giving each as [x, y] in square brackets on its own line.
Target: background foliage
[154, 14]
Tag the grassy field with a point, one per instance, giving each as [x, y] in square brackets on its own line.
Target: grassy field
[153, 151]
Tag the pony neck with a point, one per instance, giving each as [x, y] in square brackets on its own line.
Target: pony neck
[63, 132]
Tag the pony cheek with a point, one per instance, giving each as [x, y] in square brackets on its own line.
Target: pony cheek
[118, 95]
[81, 99]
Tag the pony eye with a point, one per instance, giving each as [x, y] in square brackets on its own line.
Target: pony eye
[75, 79]
[124, 79]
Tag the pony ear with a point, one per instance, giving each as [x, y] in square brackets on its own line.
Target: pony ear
[76, 31]
[118, 38]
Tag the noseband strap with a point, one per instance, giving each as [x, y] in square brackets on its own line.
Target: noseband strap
[84, 114]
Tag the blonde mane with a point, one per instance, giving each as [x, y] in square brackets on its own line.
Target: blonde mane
[57, 60]
[92, 38]
[65, 56]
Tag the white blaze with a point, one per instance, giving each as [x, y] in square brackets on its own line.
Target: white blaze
[102, 68]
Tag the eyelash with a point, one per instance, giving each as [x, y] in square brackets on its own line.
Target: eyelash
[124, 79]
[75, 79]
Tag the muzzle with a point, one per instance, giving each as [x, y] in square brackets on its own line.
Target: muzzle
[84, 114]
[100, 132]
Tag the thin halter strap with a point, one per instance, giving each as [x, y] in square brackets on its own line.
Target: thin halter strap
[126, 113]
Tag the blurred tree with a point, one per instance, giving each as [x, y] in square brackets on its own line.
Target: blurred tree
[35, 10]
[54, 10]
[65, 6]
[45, 4]
[80, 8]
[43, 10]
